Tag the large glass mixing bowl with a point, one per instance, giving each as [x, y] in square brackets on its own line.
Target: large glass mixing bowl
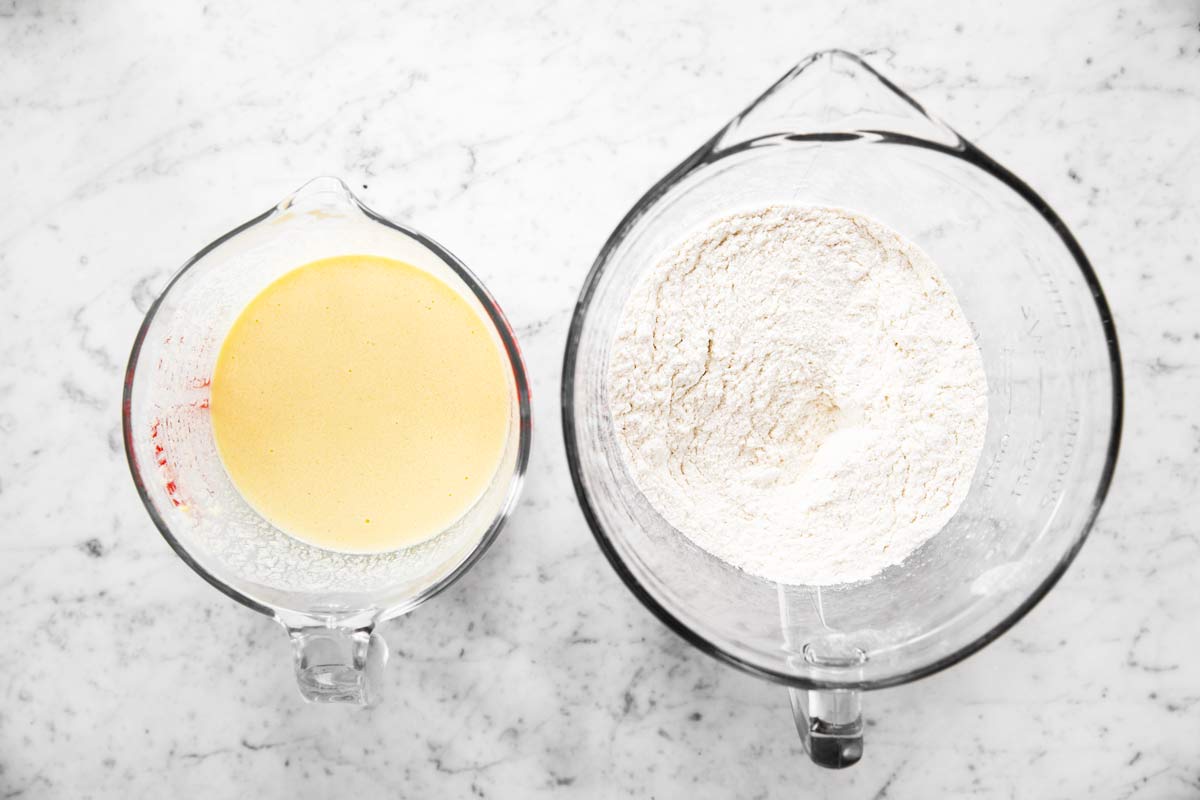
[329, 602]
[835, 132]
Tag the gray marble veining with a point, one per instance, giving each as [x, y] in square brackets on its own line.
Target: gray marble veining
[133, 133]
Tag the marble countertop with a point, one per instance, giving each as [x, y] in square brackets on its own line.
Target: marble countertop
[133, 133]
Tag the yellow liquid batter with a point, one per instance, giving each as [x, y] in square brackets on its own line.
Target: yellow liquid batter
[360, 404]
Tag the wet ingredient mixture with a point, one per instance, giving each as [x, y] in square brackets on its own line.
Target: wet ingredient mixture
[360, 404]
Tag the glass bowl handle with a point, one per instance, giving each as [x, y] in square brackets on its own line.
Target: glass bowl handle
[339, 665]
[830, 725]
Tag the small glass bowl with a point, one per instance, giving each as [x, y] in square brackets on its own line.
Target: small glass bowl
[329, 602]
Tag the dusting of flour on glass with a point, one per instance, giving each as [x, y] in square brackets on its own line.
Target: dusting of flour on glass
[797, 391]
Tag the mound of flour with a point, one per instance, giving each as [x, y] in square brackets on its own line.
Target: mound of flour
[797, 391]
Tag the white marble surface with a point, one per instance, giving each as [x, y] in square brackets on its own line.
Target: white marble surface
[133, 133]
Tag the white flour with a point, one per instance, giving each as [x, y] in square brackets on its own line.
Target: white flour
[798, 392]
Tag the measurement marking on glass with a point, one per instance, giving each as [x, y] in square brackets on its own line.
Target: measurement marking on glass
[1063, 466]
[1028, 465]
[1062, 317]
[993, 470]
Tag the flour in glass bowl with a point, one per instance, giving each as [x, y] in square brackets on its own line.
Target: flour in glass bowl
[797, 391]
